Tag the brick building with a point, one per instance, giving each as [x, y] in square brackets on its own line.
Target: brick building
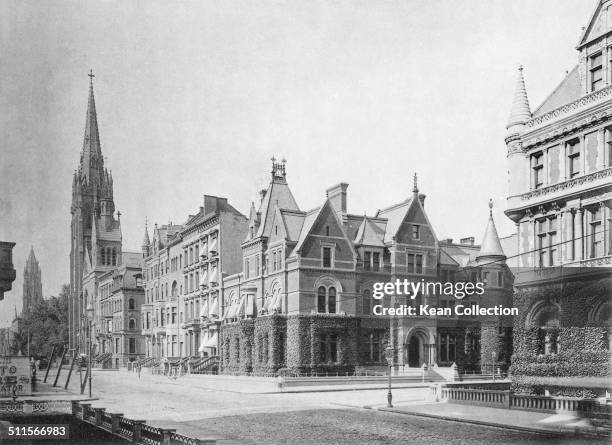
[304, 299]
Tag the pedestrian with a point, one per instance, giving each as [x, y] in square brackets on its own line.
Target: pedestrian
[139, 369]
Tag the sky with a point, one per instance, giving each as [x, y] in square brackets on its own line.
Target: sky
[194, 98]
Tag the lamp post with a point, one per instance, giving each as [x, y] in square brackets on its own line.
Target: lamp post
[493, 356]
[90, 311]
[389, 357]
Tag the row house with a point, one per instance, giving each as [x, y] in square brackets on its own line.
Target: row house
[162, 271]
[118, 306]
[560, 198]
[304, 299]
[184, 266]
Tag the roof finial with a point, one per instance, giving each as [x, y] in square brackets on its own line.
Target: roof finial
[91, 75]
[491, 207]
[415, 188]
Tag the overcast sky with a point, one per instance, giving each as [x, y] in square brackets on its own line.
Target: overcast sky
[195, 97]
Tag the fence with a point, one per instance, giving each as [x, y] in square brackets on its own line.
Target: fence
[135, 431]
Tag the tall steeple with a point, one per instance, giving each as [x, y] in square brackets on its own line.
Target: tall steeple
[491, 248]
[32, 282]
[146, 242]
[92, 163]
[520, 112]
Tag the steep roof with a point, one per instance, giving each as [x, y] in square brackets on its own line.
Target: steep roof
[520, 112]
[278, 195]
[309, 220]
[294, 221]
[395, 216]
[567, 91]
[491, 246]
[369, 234]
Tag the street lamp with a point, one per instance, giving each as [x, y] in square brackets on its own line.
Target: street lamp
[90, 311]
[389, 357]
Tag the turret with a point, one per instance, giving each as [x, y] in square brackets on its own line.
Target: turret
[520, 113]
[146, 242]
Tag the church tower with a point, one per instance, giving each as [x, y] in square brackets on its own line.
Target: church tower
[95, 233]
[32, 282]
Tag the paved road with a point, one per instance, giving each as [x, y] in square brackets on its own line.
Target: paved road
[284, 418]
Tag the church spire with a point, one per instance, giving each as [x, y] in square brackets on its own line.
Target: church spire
[520, 112]
[92, 151]
[491, 246]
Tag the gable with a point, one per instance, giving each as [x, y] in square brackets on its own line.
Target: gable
[600, 23]
[277, 227]
[415, 216]
[327, 229]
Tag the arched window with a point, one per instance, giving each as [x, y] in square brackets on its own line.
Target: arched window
[331, 300]
[321, 300]
[131, 304]
[132, 324]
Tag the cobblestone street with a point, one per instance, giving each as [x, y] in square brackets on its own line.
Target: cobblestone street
[288, 418]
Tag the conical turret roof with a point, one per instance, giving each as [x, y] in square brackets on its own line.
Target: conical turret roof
[491, 246]
[520, 112]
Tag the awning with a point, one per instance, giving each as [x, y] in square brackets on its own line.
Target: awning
[241, 307]
[204, 311]
[275, 304]
[204, 280]
[213, 276]
[211, 342]
[214, 309]
[213, 245]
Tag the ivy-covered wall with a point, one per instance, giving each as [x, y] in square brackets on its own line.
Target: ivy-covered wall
[581, 342]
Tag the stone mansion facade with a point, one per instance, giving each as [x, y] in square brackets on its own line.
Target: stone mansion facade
[560, 198]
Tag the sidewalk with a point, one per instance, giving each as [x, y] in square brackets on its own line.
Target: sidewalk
[530, 421]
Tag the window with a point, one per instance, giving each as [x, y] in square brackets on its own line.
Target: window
[373, 347]
[500, 279]
[326, 230]
[327, 257]
[546, 230]
[148, 320]
[131, 304]
[415, 263]
[537, 166]
[331, 300]
[485, 278]
[416, 232]
[328, 348]
[376, 261]
[367, 259]
[197, 252]
[103, 256]
[173, 315]
[132, 345]
[162, 316]
[321, 300]
[573, 158]
[595, 71]
[132, 324]
[596, 232]
[326, 300]
[608, 154]
[114, 256]
[447, 348]
[246, 268]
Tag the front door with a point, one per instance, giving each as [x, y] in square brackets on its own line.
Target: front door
[414, 352]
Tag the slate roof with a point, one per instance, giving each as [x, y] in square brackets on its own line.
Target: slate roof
[567, 91]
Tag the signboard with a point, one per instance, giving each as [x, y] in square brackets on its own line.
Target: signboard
[15, 376]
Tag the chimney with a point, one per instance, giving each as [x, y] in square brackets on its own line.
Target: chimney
[469, 241]
[422, 197]
[337, 196]
[212, 204]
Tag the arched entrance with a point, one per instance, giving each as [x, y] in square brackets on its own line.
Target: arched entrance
[414, 352]
[417, 348]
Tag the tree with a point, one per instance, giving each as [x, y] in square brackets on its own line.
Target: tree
[46, 324]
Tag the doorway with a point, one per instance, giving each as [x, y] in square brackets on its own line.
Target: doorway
[414, 352]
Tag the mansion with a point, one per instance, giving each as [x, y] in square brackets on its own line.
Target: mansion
[560, 198]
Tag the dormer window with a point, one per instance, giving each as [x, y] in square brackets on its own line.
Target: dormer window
[416, 232]
[596, 72]
[326, 255]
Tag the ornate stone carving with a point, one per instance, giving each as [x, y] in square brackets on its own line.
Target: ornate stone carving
[568, 184]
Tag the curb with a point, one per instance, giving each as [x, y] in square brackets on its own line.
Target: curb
[493, 424]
